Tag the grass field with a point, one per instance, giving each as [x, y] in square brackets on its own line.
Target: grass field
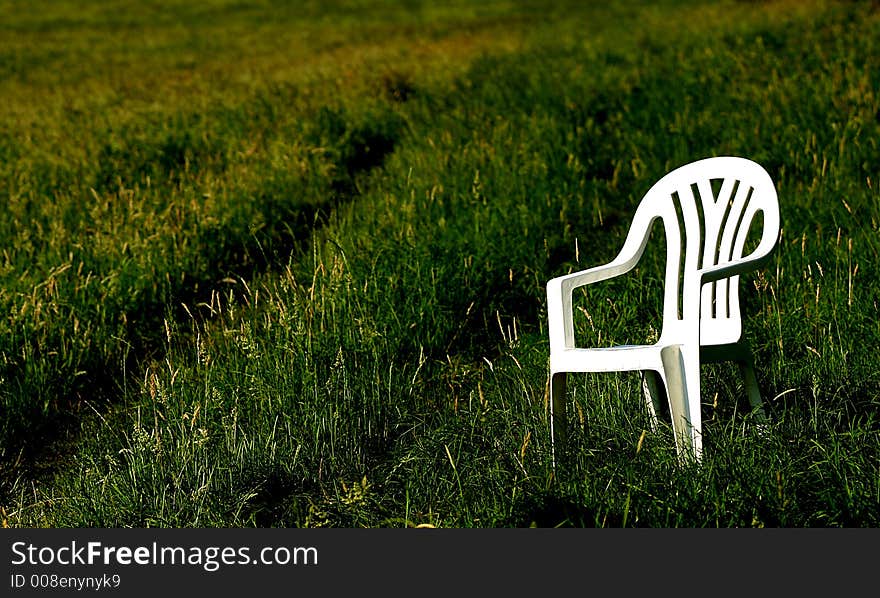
[283, 264]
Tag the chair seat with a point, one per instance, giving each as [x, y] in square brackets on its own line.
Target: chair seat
[619, 358]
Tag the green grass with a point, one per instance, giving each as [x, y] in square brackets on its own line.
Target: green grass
[267, 266]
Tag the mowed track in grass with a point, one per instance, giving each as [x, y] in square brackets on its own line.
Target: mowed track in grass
[150, 153]
[296, 263]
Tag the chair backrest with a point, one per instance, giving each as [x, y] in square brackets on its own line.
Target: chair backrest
[716, 201]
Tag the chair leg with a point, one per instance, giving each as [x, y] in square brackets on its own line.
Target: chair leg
[682, 374]
[558, 432]
[751, 383]
[651, 385]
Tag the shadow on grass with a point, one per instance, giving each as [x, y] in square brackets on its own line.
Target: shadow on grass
[551, 511]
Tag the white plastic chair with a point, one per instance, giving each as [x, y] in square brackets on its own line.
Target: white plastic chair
[701, 316]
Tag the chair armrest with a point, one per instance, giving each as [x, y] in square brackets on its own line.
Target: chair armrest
[761, 254]
[559, 290]
[732, 268]
[559, 299]
[569, 282]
